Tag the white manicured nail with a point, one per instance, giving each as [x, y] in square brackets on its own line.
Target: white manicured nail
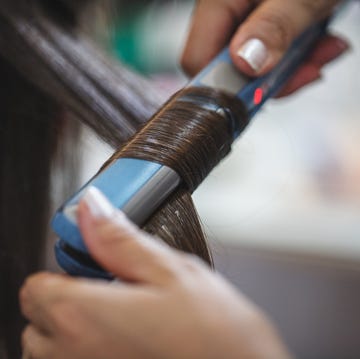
[99, 205]
[255, 53]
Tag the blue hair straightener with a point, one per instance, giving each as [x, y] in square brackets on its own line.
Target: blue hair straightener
[139, 187]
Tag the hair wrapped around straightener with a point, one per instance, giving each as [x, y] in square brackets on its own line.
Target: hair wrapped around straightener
[190, 137]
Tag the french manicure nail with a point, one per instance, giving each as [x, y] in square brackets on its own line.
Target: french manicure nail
[255, 53]
[98, 204]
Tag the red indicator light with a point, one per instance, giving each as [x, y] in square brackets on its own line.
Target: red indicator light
[258, 96]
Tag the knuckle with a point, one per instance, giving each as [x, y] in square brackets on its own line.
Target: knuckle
[279, 26]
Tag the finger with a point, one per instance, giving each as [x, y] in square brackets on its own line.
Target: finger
[263, 38]
[119, 246]
[35, 344]
[213, 23]
[328, 48]
[65, 307]
[305, 75]
[37, 298]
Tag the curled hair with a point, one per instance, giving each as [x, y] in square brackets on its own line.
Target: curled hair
[191, 138]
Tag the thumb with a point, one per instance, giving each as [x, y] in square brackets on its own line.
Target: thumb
[119, 246]
[264, 37]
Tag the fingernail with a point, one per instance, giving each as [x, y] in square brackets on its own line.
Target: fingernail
[98, 204]
[255, 53]
[342, 45]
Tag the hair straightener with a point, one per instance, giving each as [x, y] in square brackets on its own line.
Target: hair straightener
[139, 187]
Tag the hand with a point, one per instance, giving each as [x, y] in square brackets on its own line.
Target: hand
[169, 304]
[259, 41]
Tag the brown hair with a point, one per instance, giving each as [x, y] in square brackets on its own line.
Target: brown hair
[191, 134]
[52, 77]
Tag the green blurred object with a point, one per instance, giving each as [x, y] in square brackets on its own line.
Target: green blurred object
[148, 35]
[124, 38]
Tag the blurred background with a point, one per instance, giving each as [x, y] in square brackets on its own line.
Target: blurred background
[282, 212]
